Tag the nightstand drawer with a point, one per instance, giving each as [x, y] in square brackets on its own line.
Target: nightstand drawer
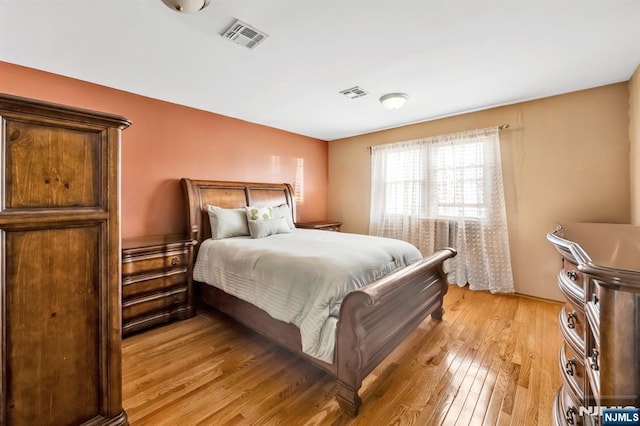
[157, 302]
[137, 285]
[152, 262]
[157, 318]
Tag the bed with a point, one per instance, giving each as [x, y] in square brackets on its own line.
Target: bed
[371, 320]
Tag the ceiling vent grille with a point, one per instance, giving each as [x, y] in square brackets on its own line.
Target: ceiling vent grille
[244, 34]
[354, 92]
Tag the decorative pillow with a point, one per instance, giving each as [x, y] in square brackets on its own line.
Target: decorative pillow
[283, 210]
[264, 228]
[258, 213]
[227, 223]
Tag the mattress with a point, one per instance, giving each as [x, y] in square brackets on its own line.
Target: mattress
[301, 277]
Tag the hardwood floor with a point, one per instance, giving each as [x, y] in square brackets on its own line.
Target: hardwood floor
[490, 361]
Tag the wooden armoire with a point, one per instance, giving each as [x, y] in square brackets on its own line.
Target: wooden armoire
[59, 265]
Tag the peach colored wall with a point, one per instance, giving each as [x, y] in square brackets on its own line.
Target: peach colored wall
[634, 137]
[167, 142]
[565, 159]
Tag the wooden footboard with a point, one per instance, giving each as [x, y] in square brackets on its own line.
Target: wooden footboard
[374, 320]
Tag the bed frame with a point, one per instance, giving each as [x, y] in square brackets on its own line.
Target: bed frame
[373, 320]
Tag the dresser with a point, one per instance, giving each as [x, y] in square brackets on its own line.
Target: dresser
[60, 255]
[599, 361]
[155, 284]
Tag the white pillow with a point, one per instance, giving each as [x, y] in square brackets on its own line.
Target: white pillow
[283, 210]
[265, 227]
[258, 213]
[227, 223]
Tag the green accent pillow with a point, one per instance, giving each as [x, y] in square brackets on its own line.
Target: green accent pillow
[259, 213]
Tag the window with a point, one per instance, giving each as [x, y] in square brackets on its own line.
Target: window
[446, 190]
[453, 173]
[404, 182]
[458, 172]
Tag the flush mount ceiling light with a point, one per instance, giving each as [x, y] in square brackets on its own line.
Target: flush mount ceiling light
[186, 6]
[394, 100]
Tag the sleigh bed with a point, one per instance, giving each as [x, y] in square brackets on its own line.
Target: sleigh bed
[372, 320]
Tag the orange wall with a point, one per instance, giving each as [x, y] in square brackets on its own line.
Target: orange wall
[169, 141]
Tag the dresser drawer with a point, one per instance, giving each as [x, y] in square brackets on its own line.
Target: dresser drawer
[572, 289]
[568, 408]
[571, 321]
[571, 271]
[592, 313]
[157, 302]
[573, 370]
[139, 285]
[593, 371]
[593, 293]
[134, 264]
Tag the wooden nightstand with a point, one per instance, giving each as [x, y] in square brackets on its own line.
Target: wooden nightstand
[324, 225]
[155, 281]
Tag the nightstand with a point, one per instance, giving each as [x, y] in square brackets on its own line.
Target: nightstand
[155, 281]
[324, 225]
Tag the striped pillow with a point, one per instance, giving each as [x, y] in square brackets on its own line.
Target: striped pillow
[264, 228]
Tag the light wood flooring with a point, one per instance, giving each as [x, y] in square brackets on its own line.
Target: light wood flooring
[492, 360]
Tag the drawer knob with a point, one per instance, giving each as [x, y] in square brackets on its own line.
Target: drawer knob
[568, 367]
[571, 319]
[176, 299]
[569, 415]
[593, 363]
[573, 275]
[174, 260]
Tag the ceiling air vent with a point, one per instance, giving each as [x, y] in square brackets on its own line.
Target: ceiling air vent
[354, 92]
[244, 34]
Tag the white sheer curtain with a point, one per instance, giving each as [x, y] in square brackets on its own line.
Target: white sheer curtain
[446, 191]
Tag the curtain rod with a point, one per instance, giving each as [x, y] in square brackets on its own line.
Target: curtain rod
[500, 127]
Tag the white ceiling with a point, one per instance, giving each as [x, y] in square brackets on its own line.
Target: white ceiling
[449, 56]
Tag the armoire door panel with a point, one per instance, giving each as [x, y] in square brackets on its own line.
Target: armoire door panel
[52, 325]
[50, 167]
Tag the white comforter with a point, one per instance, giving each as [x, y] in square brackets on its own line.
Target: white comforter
[301, 277]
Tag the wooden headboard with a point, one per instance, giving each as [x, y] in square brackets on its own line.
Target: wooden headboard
[228, 195]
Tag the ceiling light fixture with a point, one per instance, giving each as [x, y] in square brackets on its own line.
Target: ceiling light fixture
[186, 6]
[394, 100]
